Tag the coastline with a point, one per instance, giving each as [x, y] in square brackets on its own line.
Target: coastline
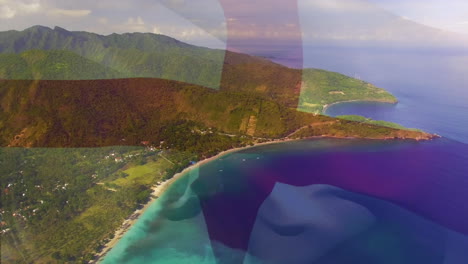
[326, 106]
[158, 190]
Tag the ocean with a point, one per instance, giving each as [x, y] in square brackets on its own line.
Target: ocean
[431, 85]
[331, 200]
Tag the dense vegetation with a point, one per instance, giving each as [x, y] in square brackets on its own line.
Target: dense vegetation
[323, 88]
[60, 205]
[110, 112]
[351, 129]
[366, 120]
[52, 65]
[115, 112]
[131, 55]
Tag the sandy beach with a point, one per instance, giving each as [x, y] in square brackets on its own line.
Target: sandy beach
[159, 189]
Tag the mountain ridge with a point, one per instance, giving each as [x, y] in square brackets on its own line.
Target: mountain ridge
[138, 55]
[132, 54]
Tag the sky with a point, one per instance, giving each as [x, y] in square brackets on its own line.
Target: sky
[212, 22]
[450, 15]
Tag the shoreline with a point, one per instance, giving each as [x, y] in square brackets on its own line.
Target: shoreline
[159, 189]
[326, 106]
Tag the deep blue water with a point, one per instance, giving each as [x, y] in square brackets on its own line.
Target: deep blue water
[431, 85]
[328, 200]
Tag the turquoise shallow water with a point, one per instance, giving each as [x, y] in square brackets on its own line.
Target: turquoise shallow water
[173, 241]
[344, 192]
[172, 229]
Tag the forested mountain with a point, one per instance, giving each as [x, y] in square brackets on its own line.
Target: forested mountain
[52, 65]
[131, 54]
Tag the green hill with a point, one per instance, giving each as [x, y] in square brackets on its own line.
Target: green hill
[308, 90]
[321, 88]
[105, 112]
[131, 54]
[52, 65]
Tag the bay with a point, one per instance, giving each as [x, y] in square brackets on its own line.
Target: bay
[331, 200]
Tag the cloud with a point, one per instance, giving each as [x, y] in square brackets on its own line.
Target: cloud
[157, 30]
[7, 12]
[70, 12]
[185, 33]
[207, 15]
[133, 24]
[29, 7]
[11, 8]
